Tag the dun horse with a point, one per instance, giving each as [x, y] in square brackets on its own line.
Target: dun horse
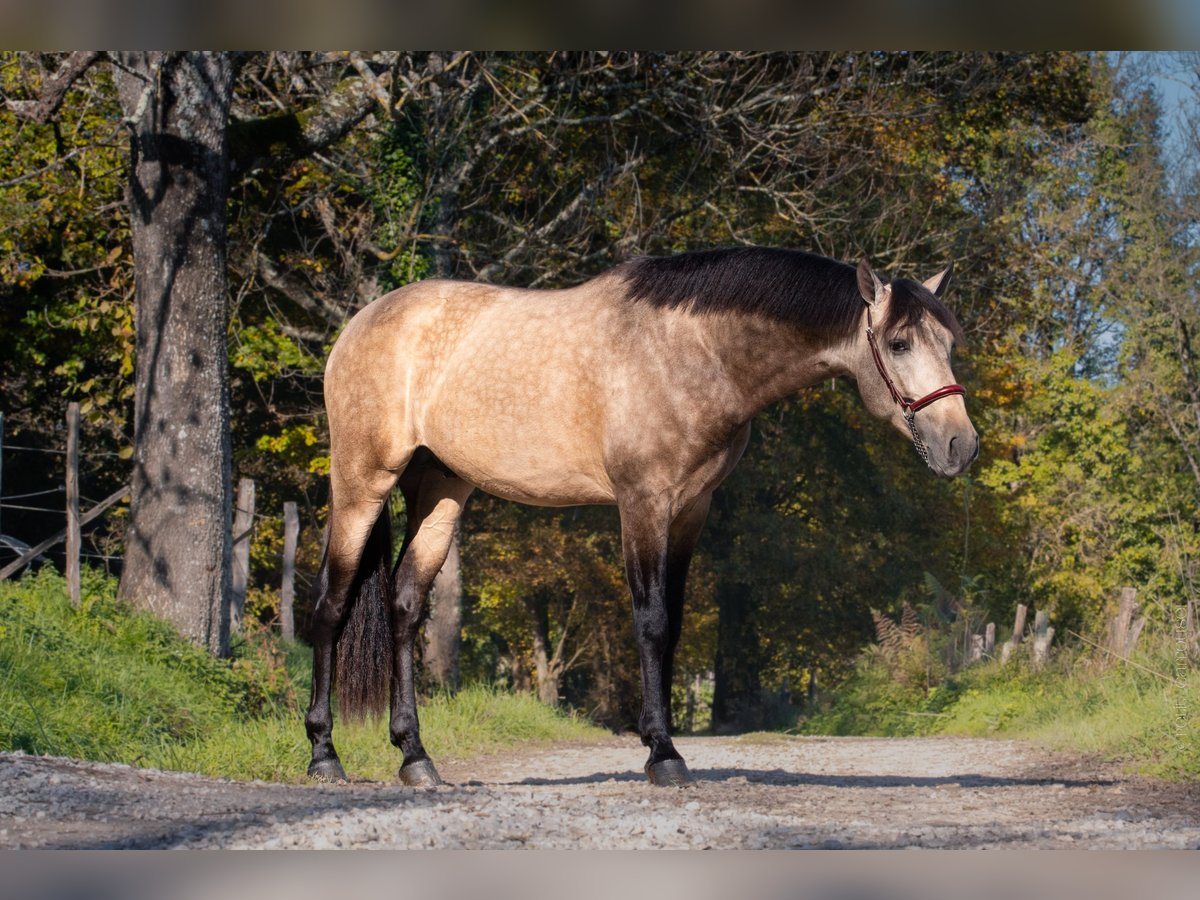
[636, 389]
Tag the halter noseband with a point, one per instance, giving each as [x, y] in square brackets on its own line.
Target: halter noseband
[907, 406]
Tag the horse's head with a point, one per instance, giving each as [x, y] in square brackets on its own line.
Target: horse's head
[902, 366]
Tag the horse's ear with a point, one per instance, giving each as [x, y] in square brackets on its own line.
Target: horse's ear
[938, 283]
[869, 284]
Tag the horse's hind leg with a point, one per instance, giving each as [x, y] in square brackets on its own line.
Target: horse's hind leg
[435, 500]
[356, 531]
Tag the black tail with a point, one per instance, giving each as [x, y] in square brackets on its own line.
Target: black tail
[364, 650]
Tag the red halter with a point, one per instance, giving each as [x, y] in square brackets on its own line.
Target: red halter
[910, 407]
[907, 406]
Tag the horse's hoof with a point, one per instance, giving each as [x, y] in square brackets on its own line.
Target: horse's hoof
[329, 770]
[420, 773]
[669, 773]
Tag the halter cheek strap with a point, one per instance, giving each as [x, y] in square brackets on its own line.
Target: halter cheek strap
[908, 406]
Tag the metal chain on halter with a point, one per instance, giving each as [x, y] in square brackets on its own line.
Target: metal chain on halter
[922, 450]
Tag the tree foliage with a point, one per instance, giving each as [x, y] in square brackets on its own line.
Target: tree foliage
[1041, 175]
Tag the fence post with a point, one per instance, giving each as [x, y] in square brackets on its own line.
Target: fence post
[1124, 629]
[1, 459]
[73, 536]
[1043, 634]
[287, 591]
[1018, 633]
[976, 652]
[989, 640]
[243, 524]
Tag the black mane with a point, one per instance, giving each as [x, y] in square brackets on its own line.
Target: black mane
[790, 286]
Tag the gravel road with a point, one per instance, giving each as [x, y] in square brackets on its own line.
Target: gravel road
[752, 792]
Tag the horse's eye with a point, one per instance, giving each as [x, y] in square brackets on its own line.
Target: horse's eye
[898, 346]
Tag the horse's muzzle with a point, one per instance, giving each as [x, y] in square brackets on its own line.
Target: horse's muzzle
[961, 451]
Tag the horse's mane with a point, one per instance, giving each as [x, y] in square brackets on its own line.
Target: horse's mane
[791, 286]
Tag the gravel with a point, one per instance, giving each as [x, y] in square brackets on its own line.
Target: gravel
[753, 792]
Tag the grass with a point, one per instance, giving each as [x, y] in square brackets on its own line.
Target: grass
[1118, 711]
[105, 683]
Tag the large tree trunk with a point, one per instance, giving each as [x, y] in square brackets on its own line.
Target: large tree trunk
[177, 550]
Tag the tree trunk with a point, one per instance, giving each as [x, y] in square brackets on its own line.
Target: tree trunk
[520, 675]
[547, 681]
[736, 701]
[545, 671]
[444, 625]
[177, 550]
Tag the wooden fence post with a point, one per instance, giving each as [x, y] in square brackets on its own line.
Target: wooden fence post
[287, 590]
[989, 640]
[976, 652]
[243, 525]
[1043, 634]
[1, 460]
[1135, 632]
[73, 535]
[1124, 629]
[1013, 642]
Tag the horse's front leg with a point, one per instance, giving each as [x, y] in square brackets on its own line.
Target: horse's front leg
[645, 539]
[684, 533]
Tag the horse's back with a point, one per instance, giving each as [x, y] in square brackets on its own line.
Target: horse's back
[504, 386]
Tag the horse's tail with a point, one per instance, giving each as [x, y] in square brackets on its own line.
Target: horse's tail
[364, 650]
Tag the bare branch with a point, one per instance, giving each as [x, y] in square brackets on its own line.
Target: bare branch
[373, 83]
[294, 135]
[310, 302]
[55, 88]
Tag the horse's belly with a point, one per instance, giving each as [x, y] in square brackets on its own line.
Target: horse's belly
[516, 407]
[560, 491]
[526, 474]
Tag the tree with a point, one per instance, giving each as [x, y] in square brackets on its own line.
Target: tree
[177, 548]
[182, 150]
[66, 311]
[545, 587]
[1041, 182]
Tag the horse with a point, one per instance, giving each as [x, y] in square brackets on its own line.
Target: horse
[634, 389]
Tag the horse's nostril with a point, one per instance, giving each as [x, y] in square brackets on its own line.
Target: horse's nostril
[963, 452]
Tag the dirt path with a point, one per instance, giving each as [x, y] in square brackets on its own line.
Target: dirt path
[771, 792]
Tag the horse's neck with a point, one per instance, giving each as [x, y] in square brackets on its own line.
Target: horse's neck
[763, 361]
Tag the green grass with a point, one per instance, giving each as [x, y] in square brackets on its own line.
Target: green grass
[1117, 711]
[106, 683]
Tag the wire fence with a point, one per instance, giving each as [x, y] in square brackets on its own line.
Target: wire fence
[245, 521]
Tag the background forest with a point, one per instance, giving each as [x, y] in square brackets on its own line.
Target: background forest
[1067, 206]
